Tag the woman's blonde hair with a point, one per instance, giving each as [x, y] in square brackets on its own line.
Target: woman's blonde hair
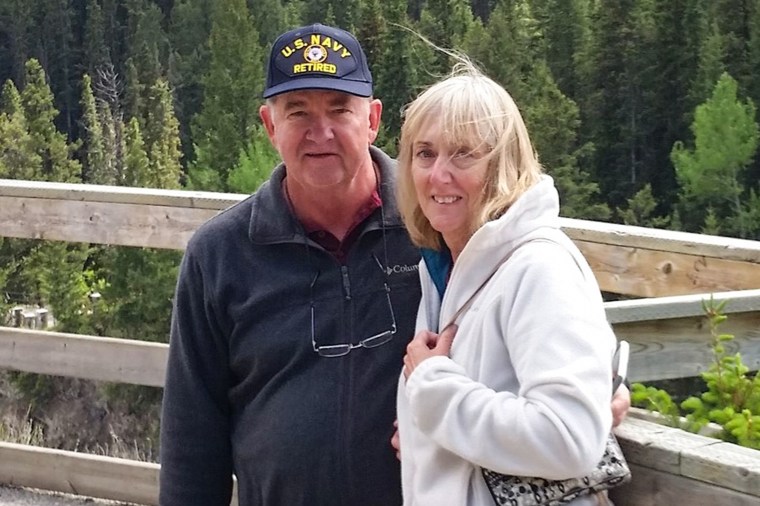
[475, 112]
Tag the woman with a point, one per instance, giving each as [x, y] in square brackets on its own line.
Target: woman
[524, 386]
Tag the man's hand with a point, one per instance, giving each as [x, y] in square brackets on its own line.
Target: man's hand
[621, 402]
[427, 344]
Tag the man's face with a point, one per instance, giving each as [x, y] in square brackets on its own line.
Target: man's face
[322, 136]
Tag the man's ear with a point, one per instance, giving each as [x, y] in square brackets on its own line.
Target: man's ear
[375, 111]
[265, 113]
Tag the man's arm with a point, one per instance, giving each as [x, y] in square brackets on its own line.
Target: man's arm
[196, 456]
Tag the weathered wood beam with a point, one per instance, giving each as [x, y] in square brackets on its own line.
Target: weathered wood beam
[82, 474]
[670, 338]
[86, 357]
[706, 470]
[668, 335]
[79, 473]
[635, 261]
[668, 465]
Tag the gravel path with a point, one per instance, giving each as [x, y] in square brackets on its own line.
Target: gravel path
[15, 496]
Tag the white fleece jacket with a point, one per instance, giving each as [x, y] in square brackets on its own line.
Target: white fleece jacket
[528, 386]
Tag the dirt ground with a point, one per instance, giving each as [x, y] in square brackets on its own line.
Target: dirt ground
[16, 496]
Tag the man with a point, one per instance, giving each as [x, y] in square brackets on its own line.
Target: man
[314, 265]
[294, 308]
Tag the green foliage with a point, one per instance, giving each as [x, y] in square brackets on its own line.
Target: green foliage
[566, 26]
[255, 165]
[95, 157]
[46, 141]
[18, 159]
[732, 396]
[162, 139]
[400, 62]
[136, 162]
[136, 293]
[641, 210]
[712, 224]
[656, 399]
[231, 100]
[96, 52]
[725, 141]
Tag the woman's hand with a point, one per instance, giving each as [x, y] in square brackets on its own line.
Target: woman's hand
[427, 344]
[395, 440]
[621, 402]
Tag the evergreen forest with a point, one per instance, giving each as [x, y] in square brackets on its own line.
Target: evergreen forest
[643, 111]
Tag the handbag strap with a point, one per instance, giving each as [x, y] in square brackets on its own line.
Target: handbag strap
[471, 298]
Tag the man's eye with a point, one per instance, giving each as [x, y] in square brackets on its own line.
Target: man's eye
[296, 114]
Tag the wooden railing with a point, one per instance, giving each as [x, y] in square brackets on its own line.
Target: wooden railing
[666, 333]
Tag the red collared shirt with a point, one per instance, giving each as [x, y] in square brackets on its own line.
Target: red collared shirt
[339, 249]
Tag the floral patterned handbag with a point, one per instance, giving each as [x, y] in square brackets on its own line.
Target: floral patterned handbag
[611, 471]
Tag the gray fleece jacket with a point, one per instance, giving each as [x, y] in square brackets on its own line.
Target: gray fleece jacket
[246, 393]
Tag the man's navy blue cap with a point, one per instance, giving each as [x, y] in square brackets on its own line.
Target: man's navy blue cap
[318, 57]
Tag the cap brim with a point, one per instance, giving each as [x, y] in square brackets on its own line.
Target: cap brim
[357, 88]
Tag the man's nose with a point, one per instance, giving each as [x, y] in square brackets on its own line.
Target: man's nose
[320, 130]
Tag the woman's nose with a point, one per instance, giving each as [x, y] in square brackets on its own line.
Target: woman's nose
[441, 169]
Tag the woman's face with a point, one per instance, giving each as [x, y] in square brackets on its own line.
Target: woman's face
[449, 180]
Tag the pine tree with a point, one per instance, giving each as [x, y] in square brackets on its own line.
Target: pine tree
[445, 23]
[641, 210]
[512, 51]
[189, 31]
[735, 29]
[136, 162]
[53, 34]
[725, 141]
[92, 130]
[396, 73]
[255, 164]
[18, 160]
[148, 42]
[231, 90]
[17, 32]
[371, 30]
[162, 139]
[566, 28]
[620, 105]
[271, 18]
[712, 52]
[679, 30]
[754, 49]
[48, 142]
[95, 51]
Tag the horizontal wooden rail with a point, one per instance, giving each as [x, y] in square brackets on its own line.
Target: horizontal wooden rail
[82, 474]
[636, 261]
[680, 306]
[98, 214]
[86, 357]
[79, 473]
[668, 464]
[668, 336]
